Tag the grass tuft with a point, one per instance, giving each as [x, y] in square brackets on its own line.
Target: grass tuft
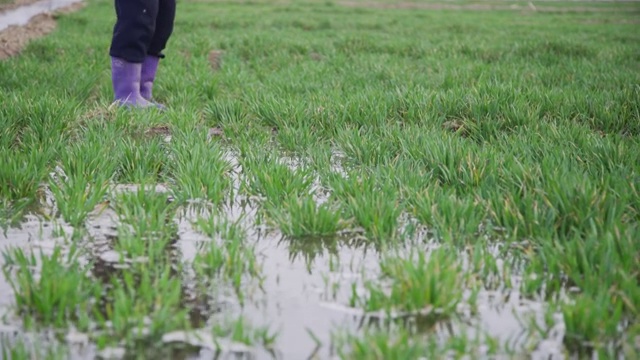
[50, 290]
[304, 218]
[432, 284]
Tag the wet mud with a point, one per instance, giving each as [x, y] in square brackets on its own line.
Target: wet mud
[21, 25]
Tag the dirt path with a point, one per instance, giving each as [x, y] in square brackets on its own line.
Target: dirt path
[15, 38]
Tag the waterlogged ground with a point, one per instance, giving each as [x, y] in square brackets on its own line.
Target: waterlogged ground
[358, 180]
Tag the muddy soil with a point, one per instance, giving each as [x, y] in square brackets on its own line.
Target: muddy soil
[15, 38]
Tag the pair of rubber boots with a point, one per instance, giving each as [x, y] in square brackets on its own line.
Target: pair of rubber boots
[133, 82]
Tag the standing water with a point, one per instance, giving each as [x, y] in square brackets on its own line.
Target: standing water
[23, 14]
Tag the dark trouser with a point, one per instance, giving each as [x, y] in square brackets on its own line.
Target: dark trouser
[143, 28]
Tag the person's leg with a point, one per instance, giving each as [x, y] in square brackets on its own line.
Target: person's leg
[163, 31]
[132, 36]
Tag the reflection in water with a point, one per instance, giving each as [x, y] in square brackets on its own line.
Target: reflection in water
[110, 266]
[302, 276]
[310, 248]
[307, 285]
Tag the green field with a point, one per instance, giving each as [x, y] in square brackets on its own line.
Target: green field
[346, 180]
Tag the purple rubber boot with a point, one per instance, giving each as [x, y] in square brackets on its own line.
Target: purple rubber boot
[148, 76]
[125, 77]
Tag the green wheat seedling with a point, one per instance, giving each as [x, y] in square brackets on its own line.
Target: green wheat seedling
[12, 213]
[451, 217]
[16, 351]
[216, 226]
[21, 178]
[10, 133]
[630, 347]
[596, 265]
[45, 122]
[429, 283]
[50, 290]
[231, 115]
[591, 323]
[77, 197]
[603, 269]
[154, 250]
[546, 272]
[19, 349]
[449, 161]
[397, 342]
[143, 305]
[22, 173]
[377, 214]
[198, 169]
[483, 267]
[227, 254]
[520, 214]
[277, 112]
[310, 248]
[253, 144]
[230, 260]
[380, 345]
[277, 182]
[91, 156]
[375, 207]
[83, 180]
[554, 197]
[242, 331]
[367, 147]
[147, 225]
[366, 109]
[303, 218]
[148, 212]
[296, 141]
[582, 205]
[321, 158]
[142, 160]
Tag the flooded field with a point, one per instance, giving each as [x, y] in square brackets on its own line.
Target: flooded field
[362, 180]
[305, 290]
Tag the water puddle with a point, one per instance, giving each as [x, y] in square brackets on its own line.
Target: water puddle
[22, 15]
[295, 303]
